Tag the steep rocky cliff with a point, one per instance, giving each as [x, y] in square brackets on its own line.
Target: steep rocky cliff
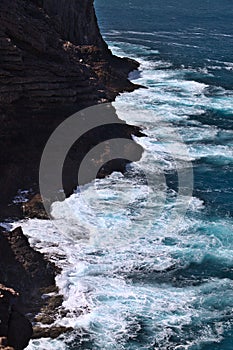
[53, 62]
[51, 52]
[75, 20]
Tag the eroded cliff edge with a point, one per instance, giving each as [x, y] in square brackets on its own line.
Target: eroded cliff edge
[53, 62]
[52, 53]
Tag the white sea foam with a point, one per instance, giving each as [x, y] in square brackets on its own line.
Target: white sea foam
[93, 282]
[22, 196]
[115, 240]
[46, 343]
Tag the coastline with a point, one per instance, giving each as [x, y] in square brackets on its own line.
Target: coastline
[132, 276]
[30, 111]
[43, 82]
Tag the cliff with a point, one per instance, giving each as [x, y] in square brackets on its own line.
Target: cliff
[53, 62]
[52, 53]
[75, 20]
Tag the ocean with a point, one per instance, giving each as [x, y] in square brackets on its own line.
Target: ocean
[146, 258]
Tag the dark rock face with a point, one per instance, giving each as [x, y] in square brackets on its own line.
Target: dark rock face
[15, 329]
[3, 344]
[21, 267]
[19, 331]
[75, 20]
[53, 62]
[41, 61]
[7, 295]
[26, 271]
[34, 208]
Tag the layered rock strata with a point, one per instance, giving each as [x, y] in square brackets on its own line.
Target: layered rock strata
[53, 62]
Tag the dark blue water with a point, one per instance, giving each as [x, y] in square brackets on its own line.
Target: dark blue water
[149, 264]
[196, 37]
[189, 33]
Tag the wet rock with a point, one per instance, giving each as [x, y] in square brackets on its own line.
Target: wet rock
[34, 208]
[50, 310]
[19, 330]
[4, 344]
[21, 266]
[15, 329]
[50, 332]
[27, 271]
[7, 295]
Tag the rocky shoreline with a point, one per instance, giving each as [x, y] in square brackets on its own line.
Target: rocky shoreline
[44, 78]
[30, 277]
[53, 62]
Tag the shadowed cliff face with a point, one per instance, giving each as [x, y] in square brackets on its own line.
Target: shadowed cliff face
[51, 52]
[53, 62]
[75, 20]
[36, 69]
[27, 276]
[15, 329]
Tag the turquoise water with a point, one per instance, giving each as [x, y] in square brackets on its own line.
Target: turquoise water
[147, 257]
